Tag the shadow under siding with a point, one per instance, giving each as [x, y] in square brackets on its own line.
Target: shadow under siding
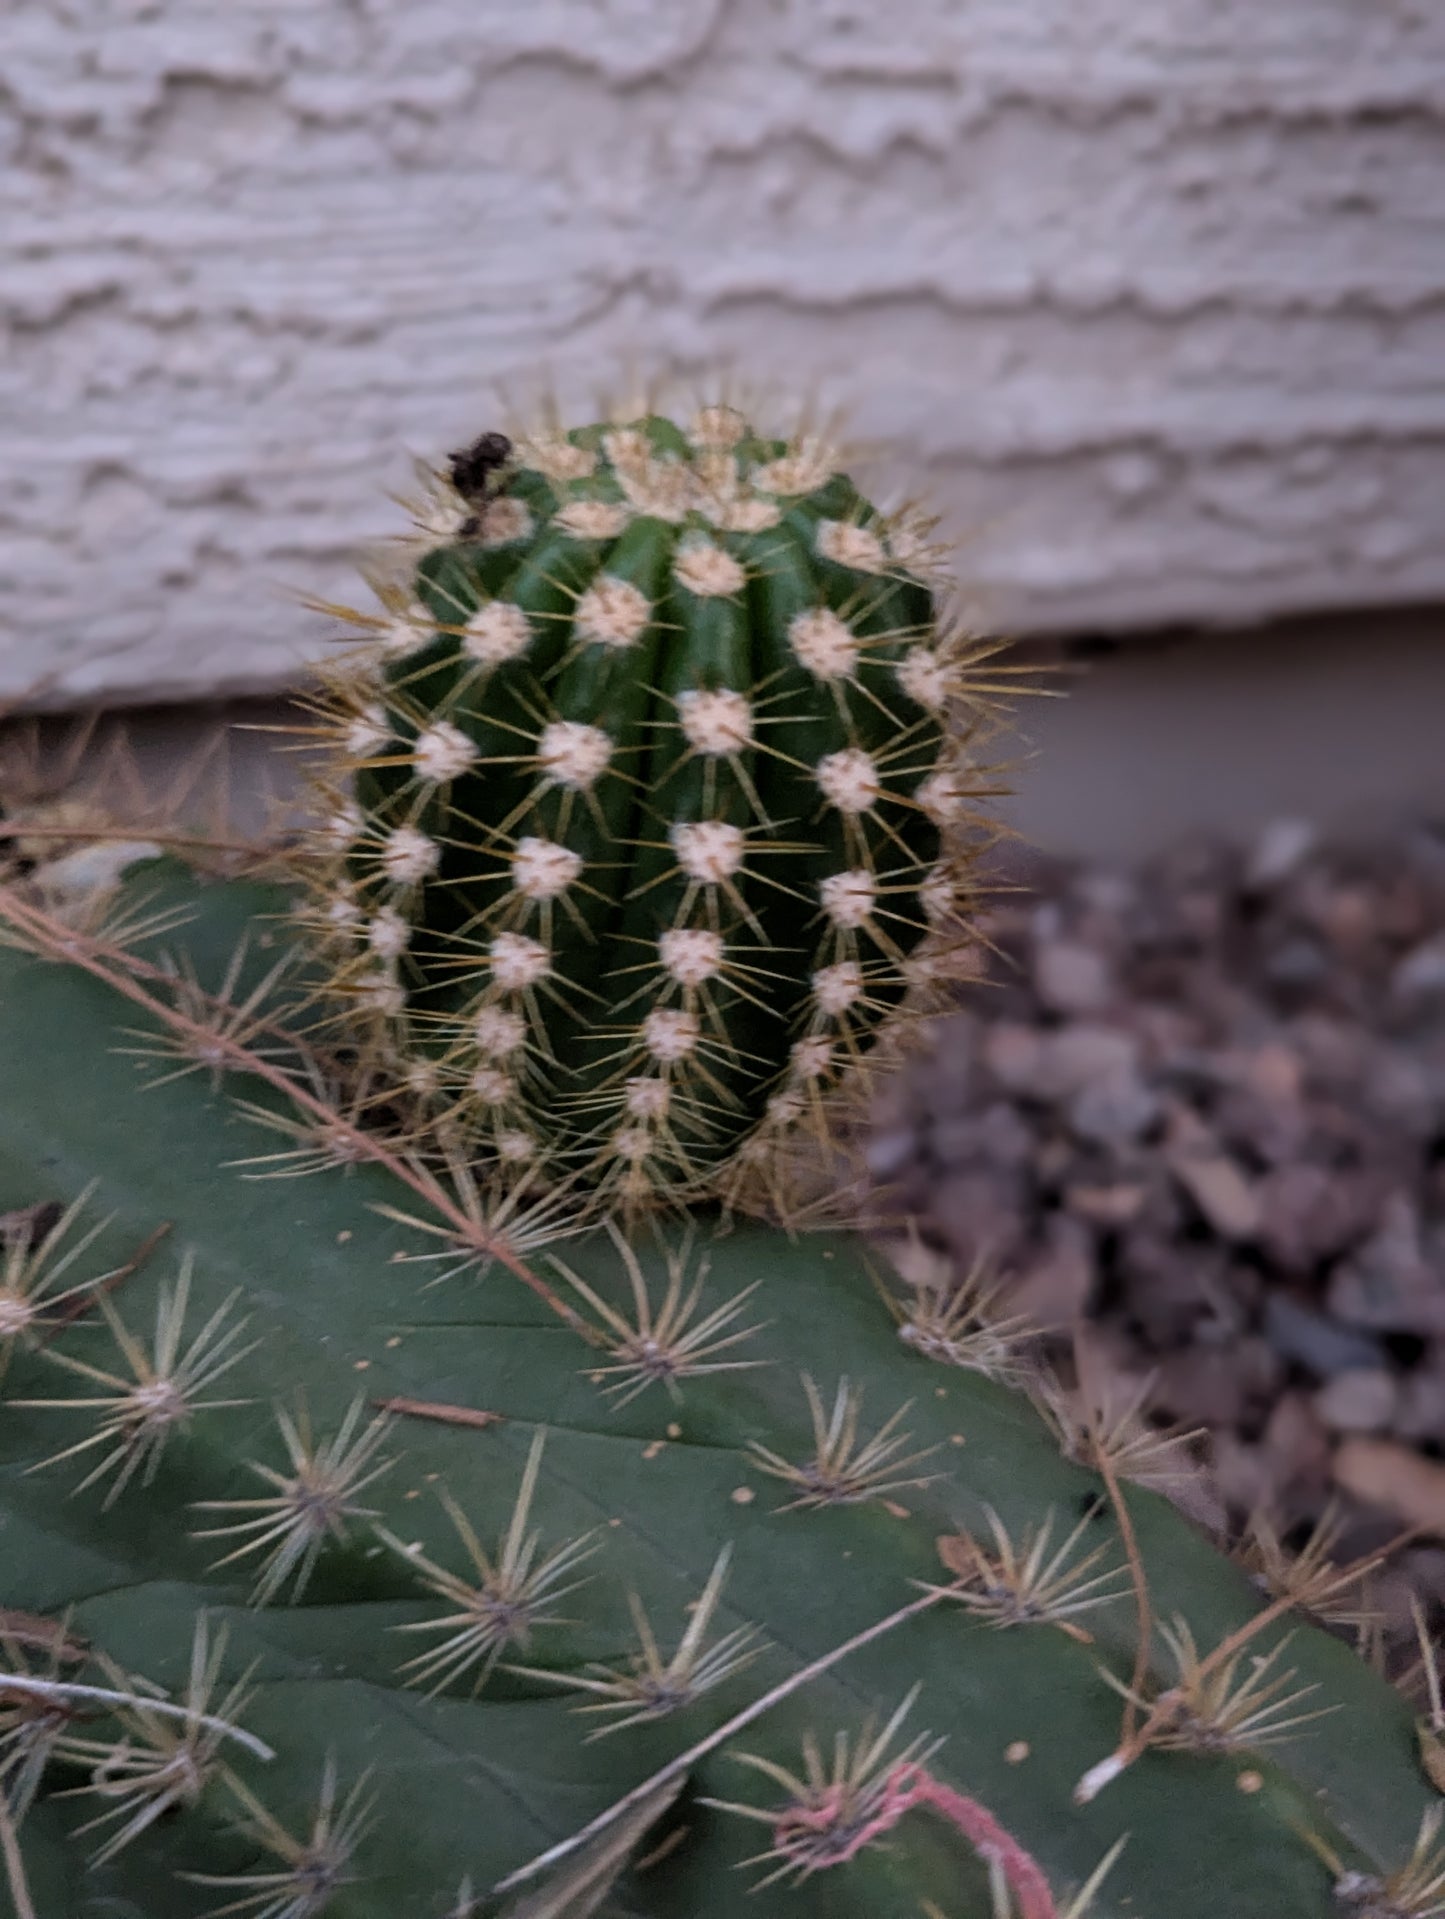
[1339, 719]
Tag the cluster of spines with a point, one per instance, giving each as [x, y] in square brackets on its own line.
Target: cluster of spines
[610, 886]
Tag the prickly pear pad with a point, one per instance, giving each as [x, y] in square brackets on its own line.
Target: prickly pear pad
[361, 1544]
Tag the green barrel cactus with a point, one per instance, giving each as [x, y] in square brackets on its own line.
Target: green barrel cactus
[376, 1541]
[632, 844]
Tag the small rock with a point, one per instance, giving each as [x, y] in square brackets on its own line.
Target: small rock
[1054, 1289]
[1170, 1287]
[1364, 1531]
[1083, 1055]
[1317, 1343]
[1107, 1368]
[1200, 1386]
[1397, 1087]
[1053, 1159]
[1404, 910]
[1425, 1567]
[1348, 916]
[1168, 1032]
[945, 1073]
[1360, 1401]
[1203, 915]
[1071, 978]
[1389, 1283]
[1298, 966]
[1274, 1131]
[1281, 848]
[1189, 1131]
[1008, 1138]
[1296, 1443]
[955, 1139]
[997, 1136]
[1335, 1053]
[1386, 1595]
[1244, 1288]
[1112, 1205]
[1242, 1474]
[1420, 1413]
[1310, 1214]
[1105, 890]
[1165, 1210]
[1421, 974]
[1274, 1073]
[981, 1216]
[1230, 1311]
[1012, 1056]
[1113, 1111]
[1218, 1187]
[892, 1152]
[1387, 1474]
[1260, 1366]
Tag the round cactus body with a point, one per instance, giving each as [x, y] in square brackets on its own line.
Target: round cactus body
[639, 800]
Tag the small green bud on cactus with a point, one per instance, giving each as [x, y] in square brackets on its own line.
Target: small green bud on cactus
[635, 840]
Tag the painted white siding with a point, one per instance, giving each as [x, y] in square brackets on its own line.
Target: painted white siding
[1150, 294]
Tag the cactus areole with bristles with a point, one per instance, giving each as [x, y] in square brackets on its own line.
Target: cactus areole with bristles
[633, 846]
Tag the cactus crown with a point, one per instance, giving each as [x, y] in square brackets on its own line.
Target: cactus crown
[637, 793]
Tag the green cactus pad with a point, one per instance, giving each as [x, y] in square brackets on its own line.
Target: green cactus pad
[634, 837]
[633, 1489]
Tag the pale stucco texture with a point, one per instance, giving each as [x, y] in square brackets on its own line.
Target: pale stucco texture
[1147, 295]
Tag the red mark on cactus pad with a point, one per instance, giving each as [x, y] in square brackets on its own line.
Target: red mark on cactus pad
[822, 1833]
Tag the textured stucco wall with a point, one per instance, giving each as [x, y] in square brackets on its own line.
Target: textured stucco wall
[1152, 293]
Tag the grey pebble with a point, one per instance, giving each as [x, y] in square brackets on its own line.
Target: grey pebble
[1311, 1340]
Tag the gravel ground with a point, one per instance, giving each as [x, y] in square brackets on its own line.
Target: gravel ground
[1192, 1118]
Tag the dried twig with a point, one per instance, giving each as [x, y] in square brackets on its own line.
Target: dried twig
[81, 1303]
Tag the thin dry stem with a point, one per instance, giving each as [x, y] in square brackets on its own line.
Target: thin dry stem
[1140, 1582]
[77, 1306]
[65, 1689]
[1131, 1745]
